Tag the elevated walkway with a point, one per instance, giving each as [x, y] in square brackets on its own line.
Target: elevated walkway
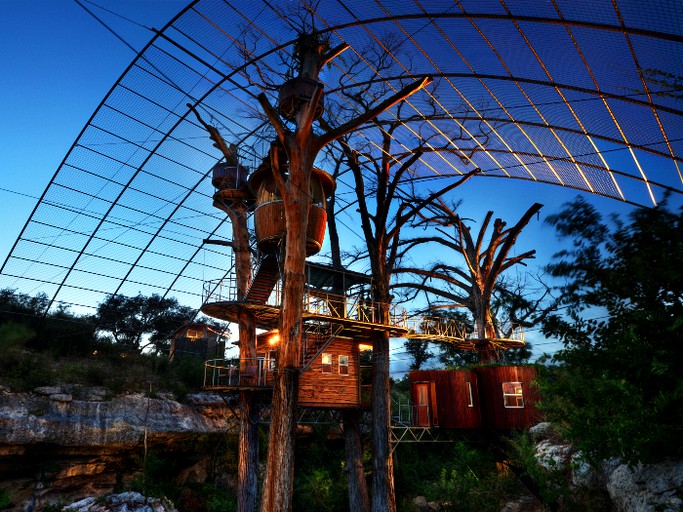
[444, 330]
[357, 316]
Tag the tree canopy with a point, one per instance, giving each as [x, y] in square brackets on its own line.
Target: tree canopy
[617, 387]
[136, 322]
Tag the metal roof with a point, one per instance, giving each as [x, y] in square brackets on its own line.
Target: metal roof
[586, 94]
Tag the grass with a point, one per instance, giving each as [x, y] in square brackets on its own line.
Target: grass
[23, 370]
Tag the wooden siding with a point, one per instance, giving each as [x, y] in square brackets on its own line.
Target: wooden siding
[332, 390]
[326, 390]
[269, 222]
[495, 414]
[489, 410]
[451, 397]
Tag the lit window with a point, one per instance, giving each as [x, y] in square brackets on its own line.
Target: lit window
[327, 363]
[343, 365]
[512, 395]
[193, 334]
[470, 399]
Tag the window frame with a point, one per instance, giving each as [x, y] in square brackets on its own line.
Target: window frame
[470, 396]
[509, 397]
[327, 367]
[347, 371]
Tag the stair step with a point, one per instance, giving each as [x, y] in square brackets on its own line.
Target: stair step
[264, 280]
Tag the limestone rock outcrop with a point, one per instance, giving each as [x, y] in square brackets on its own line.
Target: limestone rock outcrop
[59, 444]
[54, 416]
[123, 502]
[644, 488]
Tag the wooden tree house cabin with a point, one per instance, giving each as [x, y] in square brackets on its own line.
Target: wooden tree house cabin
[338, 314]
[198, 340]
[338, 318]
[269, 216]
[490, 397]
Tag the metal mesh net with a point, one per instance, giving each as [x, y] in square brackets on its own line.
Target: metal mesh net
[582, 94]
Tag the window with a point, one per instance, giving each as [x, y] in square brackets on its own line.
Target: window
[327, 363]
[343, 365]
[470, 399]
[512, 395]
[272, 361]
[193, 333]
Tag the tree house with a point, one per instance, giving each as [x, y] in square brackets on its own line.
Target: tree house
[296, 91]
[198, 340]
[269, 216]
[230, 182]
[339, 316]
[491, 397]
[338, 313]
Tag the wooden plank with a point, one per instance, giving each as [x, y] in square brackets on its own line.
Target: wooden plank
[332, 390]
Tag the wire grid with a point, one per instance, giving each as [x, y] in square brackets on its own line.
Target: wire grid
[576, 93]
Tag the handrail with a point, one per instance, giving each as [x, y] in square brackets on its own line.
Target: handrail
[403, 407]
[245, 372]
[317, 302]
[354, 307]
[445, 328]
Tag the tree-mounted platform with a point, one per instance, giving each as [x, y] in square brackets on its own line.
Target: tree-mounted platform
[359, 319]
[440, 330]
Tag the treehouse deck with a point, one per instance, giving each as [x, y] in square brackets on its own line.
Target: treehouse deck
[441, 330]
[330, 374]
[353, 326]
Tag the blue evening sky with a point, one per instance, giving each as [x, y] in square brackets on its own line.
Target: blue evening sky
[58, 62]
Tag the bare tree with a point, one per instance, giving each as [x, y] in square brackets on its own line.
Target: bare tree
[301, 145]
[472, 286]
[386, 203]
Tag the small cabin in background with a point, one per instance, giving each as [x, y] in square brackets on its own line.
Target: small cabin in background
[493, 397]
[197, 340]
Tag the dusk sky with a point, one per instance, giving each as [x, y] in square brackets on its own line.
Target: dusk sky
[59, 62]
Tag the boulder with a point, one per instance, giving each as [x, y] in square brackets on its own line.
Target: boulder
[123, 502]
[647, 488]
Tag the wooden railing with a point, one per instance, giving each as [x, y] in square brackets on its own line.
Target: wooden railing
[317, 302]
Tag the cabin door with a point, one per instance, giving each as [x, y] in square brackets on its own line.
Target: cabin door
[423, 417]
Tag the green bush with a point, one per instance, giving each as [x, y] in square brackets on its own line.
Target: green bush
[616, 388]
[14, 335]
[5, 498]
[460, 476]
[322, 489]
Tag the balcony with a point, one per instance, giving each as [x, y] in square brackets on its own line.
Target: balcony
[238, 373]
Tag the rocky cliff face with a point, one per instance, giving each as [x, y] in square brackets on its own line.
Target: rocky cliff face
[644, 488]
[59, 444]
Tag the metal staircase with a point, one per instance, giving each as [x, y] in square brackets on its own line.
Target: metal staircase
[265, 278]
[317, 337]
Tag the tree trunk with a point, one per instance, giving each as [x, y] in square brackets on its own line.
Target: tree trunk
[247, 456]
[486, 331]
[247, 460]
[359, 501]
[383, 493]
[248, 448]
[278, 487]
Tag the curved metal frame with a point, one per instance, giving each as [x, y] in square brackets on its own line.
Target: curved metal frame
[183, 64]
